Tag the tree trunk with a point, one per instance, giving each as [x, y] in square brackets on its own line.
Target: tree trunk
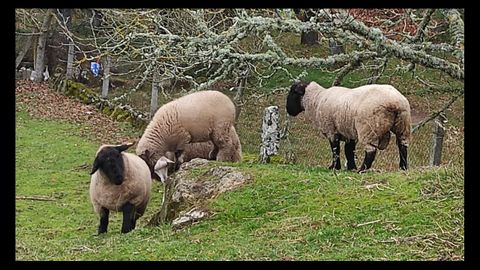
[106, 77]
[241, 84]
[71, 54]
[336, 47]
[24, 51]
[42, 40]
[154, 99]
[270, 134]
[309, 38]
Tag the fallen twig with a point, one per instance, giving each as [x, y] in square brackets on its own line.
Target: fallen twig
[367, 223]
[35, 198]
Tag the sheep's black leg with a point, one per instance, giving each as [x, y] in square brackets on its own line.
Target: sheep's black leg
[350, 154]
[335, 145]
[402, 150]
[128, 217]
[213, 154]
[367, 162]
[102, 228]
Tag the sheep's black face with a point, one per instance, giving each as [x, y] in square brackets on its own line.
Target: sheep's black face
[294, 98]
[110, 161]
[147, 156]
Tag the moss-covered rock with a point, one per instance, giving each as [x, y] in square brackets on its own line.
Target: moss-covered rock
[122, 115]
[80, 91]
[118, 112]
[106, 110]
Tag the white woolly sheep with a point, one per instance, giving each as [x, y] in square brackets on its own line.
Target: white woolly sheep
[120, 181]
[364, 114]
[198, 117]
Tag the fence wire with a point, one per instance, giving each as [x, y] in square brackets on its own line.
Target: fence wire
[305, 145]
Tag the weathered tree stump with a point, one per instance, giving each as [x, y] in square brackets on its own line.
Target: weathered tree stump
[270, 134]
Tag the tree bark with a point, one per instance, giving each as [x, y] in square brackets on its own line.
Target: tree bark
[24, 51]
[42, 40]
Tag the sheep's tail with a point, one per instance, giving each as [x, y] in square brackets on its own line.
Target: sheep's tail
[402, 126]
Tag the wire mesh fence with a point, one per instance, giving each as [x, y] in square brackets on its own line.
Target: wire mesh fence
[305, 145]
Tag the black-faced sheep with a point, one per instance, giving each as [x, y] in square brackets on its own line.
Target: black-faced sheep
[364, 114]
[198, 117]
[120, 181]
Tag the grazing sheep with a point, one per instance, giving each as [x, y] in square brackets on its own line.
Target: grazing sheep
[205, 150]
[161, 168]
[198, 117]
[120, 182]
[364, 114]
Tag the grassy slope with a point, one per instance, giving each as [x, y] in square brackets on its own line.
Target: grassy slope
[288, 212]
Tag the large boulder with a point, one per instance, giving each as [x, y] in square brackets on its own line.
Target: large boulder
[189, 190]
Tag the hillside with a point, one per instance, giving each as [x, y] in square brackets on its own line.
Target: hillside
[289, 211]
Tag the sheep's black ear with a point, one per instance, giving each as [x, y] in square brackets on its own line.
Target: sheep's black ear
[299, 88]
[123, 147]
[96, 165]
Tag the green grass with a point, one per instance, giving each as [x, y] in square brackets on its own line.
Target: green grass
[289, 212]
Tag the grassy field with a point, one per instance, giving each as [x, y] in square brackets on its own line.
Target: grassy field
[289, 212]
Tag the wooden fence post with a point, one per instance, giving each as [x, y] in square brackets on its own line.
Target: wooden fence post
[154, 97]
[71, 54]
[270, 134]
[106, 77]
[438, 134]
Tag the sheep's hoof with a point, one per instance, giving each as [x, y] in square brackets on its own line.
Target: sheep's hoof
[363, 169]
[369, 170]
[126, 230]
[351, 167]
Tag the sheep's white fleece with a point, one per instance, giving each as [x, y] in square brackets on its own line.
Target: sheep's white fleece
[135, 187]
[365, 113]
[198, 117]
